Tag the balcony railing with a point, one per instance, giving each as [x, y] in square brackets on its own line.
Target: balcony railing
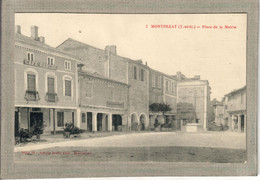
[32, 96]
[51, 97]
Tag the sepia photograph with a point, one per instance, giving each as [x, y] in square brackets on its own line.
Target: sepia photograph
[131, 90]
[111, 87]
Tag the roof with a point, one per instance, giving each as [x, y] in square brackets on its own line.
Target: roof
[25, 39]
[70, 40]
[168, 76]
[95, 75]
[236, 91]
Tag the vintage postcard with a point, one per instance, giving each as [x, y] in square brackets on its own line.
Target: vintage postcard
[131, 94]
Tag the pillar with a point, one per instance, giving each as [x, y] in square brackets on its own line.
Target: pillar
[28, 118]
[19, 117]
[109, 119]
[94, 121]
[232, 122]
[245, 122]
[239, 123]
[54, 121]
[78, 118]
[181, 124]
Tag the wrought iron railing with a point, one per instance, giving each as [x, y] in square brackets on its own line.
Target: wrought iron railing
[51, 97]
[32, 96]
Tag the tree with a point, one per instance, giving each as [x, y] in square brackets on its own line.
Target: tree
[160, 107]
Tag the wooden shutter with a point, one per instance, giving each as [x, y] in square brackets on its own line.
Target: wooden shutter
[67, 88]
[51, 85]
[31, 82]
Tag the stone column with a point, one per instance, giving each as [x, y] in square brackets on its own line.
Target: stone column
[53, 120]
[109, 119]
[181, 124]
[239, 123]
[245, 122]
[94, 121]
[232, 122]
[19, 117]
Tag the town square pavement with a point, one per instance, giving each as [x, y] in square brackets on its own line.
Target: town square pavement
[231, 140]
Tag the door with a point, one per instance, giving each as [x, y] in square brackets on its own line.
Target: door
[34, 117]
[89, 121]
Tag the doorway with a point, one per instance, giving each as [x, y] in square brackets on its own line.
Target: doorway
[35, 117]
[242, 123]
[99, 122]
[89, 121]
[116, 121]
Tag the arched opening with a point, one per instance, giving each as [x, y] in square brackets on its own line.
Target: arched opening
[142, 122]
[134, 123]
[117, 122]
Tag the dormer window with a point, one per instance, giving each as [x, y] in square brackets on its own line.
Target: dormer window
[50, 61]
[30, 57]
[67, 65]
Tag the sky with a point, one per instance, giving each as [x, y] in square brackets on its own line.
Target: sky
[216, 54]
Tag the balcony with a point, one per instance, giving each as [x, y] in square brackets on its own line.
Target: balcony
[51, 97]
[32, 96]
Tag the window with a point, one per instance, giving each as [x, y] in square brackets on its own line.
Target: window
[83, 118]
[135, 72]
[31, 82]
[173, 87]
[89, 90]
[159, 81]
[50, 61]
[51, 85]
[167, 85]
[153, 80]
[111, 93]
[67, 88]
[142, 75]
[60, 119]
[67, 65]
[30, 57]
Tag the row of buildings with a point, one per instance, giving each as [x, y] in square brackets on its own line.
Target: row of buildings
[97, 89]
[231, 111]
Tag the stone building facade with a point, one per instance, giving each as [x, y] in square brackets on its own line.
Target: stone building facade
[193, 100]
[162, 89]
[219, 112]
[45, 83]
[107, 64]
[235, 109]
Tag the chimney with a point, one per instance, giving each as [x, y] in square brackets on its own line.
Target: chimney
[197, 77]
[42, 39]
[110, 49]
[34, 33]
[178, 75]
[18, 29]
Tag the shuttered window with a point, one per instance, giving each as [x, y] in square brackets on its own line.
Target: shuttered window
[51, 85]
[159, 81]
[67, 88]
[135, 72]
[153, 80]
[142, 75]
[31, 82]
